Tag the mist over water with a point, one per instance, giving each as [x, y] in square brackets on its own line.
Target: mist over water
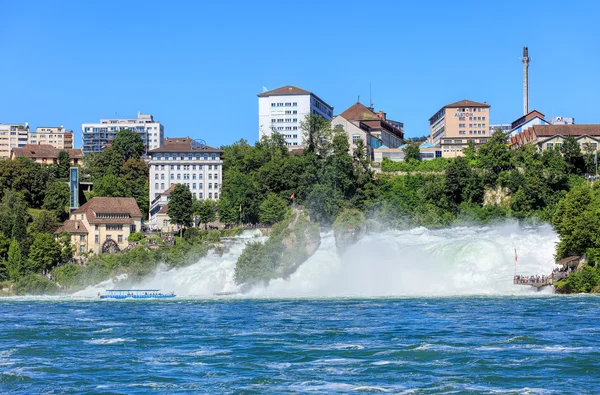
[475, 260]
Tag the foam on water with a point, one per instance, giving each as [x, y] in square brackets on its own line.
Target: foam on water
[477, 260]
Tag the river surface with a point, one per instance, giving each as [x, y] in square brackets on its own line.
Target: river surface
[449, 345]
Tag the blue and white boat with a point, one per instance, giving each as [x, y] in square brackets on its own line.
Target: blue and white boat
[135, 294]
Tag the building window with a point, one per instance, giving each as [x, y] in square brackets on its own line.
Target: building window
[200, 194]
[549, 145]
[156, 186]
[194, 186]
[120, 238]
[97, 239]
[108, 237]
[162, 185]
[172, 176]
[355, 138]
[82, 238]
[82, 248]
[210, 195]
[216, 195]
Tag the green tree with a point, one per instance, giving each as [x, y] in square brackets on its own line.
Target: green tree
[44, 253]
[57, 198]
[495, 155]
[64, 164]
[317, 134]
[180, 208]
[272, 209]
[206, 211]
[66, 249]
[573, 156]
[110, 185]
[44, 222]
[14, 216]
[15, 264]
[412, 151]
[127, 145]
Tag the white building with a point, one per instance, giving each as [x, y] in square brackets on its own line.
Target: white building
[282, 110]
[182, 160]
[96, 136]
[55, 136]
[562, 121]
[12, 136]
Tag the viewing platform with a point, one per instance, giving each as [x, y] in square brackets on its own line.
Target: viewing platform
[569, 265]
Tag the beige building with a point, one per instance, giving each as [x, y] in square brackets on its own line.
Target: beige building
[102, 225]
[46, 154]
[373, 128]
[455, 125]
[55, 136]
[428, 152]
[12, 136]
[552, 136]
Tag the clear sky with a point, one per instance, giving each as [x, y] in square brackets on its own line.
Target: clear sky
[197, 66]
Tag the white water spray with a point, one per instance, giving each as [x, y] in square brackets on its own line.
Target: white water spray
[419, 262]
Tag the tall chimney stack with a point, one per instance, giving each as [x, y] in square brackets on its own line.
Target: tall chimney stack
[525, 59]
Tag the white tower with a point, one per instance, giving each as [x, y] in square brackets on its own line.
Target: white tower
[525, 59]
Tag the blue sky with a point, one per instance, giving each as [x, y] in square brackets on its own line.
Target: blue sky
[198, 65]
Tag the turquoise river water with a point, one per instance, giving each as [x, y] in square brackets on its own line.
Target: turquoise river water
[448, 345]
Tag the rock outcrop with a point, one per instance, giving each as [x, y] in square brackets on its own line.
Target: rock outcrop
[291, 243]
[349, 227]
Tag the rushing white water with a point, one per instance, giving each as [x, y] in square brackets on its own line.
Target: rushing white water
[419, 262]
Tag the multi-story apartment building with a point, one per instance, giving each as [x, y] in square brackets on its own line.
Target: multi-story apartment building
[455, 125]
[96, 136]
[373, 128]
[103, 224]
[282, 111]
[12, 136]
[182, 160]
[55, 136]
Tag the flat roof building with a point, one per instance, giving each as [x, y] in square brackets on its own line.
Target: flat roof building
[282, 110]
[97, 136]
[12, 135]
[55, 136]
[455, 125]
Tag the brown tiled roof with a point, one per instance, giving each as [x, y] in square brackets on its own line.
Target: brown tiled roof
[285, 90]
[45, 151]
[164, 209]
[168, 191]
[567, 259]
[466, 103]
[72, 226]
[110, 205]
[565, 130]
[183, 144]
[358, 112]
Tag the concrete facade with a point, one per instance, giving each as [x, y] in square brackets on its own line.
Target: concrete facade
[455, 125]
[55, 136]
[12, 136]
[283, 110]
[182, 160]
[97, 136]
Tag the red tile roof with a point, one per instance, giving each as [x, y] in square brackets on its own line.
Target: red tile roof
[110, 205]
[565, 130]
[359, 112]
[568, 259]
[285, 90]
[466, 103]
[168, 191]
[164, 209]
[45, 151]
[184, 144]
[72, 226]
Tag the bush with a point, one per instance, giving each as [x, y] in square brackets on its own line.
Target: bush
[584, 280]
[34, 284]
[135, 237]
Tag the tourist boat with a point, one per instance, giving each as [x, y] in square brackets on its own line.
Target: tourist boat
[135, 294]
